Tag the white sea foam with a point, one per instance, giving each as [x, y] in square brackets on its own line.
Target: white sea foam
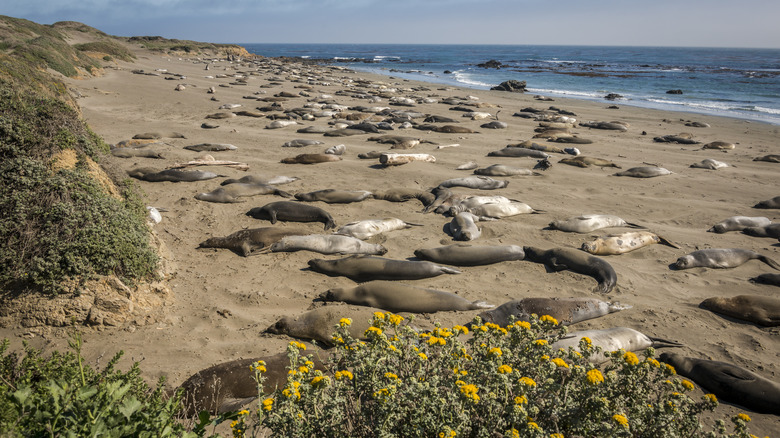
[465, 78]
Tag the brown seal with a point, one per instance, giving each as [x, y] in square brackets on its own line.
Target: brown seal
[246, 242]
[403, 195]
[771, 279]
[754, 308]
[769, 203]
[583, 161]
[363, 268]
[721, 258]
[729, 382]
[311, 159]
[173, 175]
[565, 310]
[334, 196]
[232, 192]
[292, 211]
[559, 259]
[398, 297]
[461, 254]
[320, 324]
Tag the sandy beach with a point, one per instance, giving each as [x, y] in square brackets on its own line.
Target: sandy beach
[224, 302]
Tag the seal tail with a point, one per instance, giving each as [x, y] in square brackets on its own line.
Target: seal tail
[633, 225]
[616, 307]
[769, 262]
[448, 270]
[664, 343]
[668, 242]
[481, 305]
[283, 194]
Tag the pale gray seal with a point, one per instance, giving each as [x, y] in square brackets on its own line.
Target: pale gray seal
[292, 211]
[729, 382]
[475, 182]
[771, 158]
[644, 172]
[135, 153]
[403, 195]
[334, 196]
[624, 242]
[232, 192]
[311, 159]
[611, 339]
[368, 228]
[565, 310]
[463, 226]
[173, 175]
[518, 152]
[461, 254]
[583, 161]
[297, 143]
[614, 126]
[681, 138]
[211, 147]
[559, 259]
[247, 242]
[327, 244]
[504, 170]
[719, 145]
[710, 164]
[769, 203]
[499, 210]
[721, 258]
[761, 310]
[158, 135]
[739, 223]
[253, 179]
[320, 324]
[399, 297]
[589, 222]
[363, 268]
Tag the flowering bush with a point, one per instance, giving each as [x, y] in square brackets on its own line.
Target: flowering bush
[486, 381]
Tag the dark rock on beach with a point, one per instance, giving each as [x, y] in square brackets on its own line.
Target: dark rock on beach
[511, 85]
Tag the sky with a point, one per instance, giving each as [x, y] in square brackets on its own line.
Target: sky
[688, 23]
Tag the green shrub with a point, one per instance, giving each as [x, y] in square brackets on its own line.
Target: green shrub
[499, 382]
[61, 396]
[111, 48]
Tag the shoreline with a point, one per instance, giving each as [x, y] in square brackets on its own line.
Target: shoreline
[224, 301]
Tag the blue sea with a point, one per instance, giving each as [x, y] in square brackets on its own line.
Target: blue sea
[741, 83]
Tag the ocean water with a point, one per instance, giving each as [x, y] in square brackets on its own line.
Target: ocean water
[741, 83]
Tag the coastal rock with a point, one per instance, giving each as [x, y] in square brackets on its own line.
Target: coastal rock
[511, 85]
[490, 64]
[674, 92]
[613, 96]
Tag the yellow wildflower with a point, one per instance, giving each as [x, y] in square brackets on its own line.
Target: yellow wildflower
[688, 385]
[630, 358]
[544, 357]
[338, 339]
[243, 412]
[594, 377]
[343, 374]
[560, 362]
[504, 369]
[540, 342]
[653, 362]
[391, 376]
[391, 347]
[375, 330]
[711, 397]
[450, 434]
[523, 324]
[299, 345]
[556, 435]
[319, 379]
[292, 372]
[394, 319]
[533, 426]
[621, 420]
[461, 329]
[345, 322]
[422, 356]
[379, 315]
[495, 351]
[268, 404]
[548, 318]
[527, 381]
[743, 417]
[303, 370]
[515, 433]
[492, 325]
[261, 368]
[470, 391]
[521, 400]
[670, 369]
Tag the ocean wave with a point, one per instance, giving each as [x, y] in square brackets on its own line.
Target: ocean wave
[582, 94]
[465, 78]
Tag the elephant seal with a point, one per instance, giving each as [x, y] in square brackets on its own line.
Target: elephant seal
[611, 339]
[528, 144]
[452, 129]
[739, 223]
[589, 222]
[230, 385]
[721, 258]
[518, 152]
[681, 138]
[463, 226]
[710, 164]
[498, 211]
[769, 203]
[398, 297]
[644, 172]
[458, 203]
[495, 124]
[211, 147]
[135, 153]
[475, 182]
[247, 242]
[583, 161]
[371, 227]
[158, 135]
[729, 382]
[614, 126]
[363, 268]
[504, 170]
[292, 211]
[333, 196]
[173, 175]
[320, 324]
[559, 259]
[232, 192]
[327, 244]
[253, 179]
[624, 242]
[297, 143]
[565, 310]
[461, 254]
[772, 279]
[311, 159]
[772, 158]
[771, 230]
[761, 310]
[719, 145]
[403, 195]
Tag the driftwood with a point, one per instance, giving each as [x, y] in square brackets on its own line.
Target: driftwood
[397, 159]
[208, 160]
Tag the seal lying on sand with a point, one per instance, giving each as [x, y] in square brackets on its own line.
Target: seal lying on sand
[475, 182]
[739, 223]
[644, 172]
[611, 339]
[761, 310]
[772, 279]
[246, 242]
[729, 382]
[565, 310]
[173, 175]
[403, 195]
[232, 192]
[361, 268]
[320, 324]
[589, 222]
[624, 242]
[334, 196]
[583, 161]
[461, 254]
[769, 203]
[504, 170]
[254, 179]
[398, 297]
[771, 230]
[327, 244]
[371, 227]
[559, 259]
[721, 258]
[292, 211]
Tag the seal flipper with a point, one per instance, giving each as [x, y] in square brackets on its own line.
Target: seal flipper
[616, 307]
[633, 225]
[662, 343]
[449, 270]
[282, 193]
[481, 305]
[769, 261]
[667, 242]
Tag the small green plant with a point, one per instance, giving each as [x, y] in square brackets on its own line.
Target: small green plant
[62, 396]
[494, 382]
